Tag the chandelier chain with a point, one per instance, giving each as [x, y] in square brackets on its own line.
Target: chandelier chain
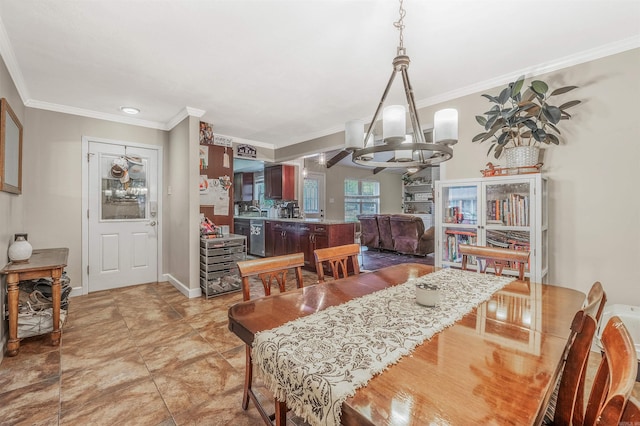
[399, 24]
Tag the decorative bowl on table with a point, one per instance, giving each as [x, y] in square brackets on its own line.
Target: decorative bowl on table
[427, 294]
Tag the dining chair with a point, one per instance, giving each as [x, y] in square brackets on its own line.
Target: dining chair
[496, 257]
[267, 269]
[631, 413]
[338, 259]
[270, 269]
[567, 401]
[615, 378]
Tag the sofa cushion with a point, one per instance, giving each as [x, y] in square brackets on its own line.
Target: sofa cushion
[369, 235]
[384, 228]
[407, 231]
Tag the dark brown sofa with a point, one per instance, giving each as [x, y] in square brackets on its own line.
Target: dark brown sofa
[409, 235]
[369, 235]
[398, 232]
[384, 228]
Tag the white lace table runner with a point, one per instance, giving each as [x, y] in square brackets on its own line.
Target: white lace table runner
[316, 362]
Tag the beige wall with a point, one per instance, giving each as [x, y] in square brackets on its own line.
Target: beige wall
[12, 218]
[52, 176]
[184, 206]
[594, 213]
[194, 203]
[594, 210]
[390, 188]
[178, 202]
[594, 207]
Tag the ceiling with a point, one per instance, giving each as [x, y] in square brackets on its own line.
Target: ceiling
[279, 72]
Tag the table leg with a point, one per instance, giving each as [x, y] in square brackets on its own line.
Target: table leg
[55, 295]
[281, 413]
[12, 291]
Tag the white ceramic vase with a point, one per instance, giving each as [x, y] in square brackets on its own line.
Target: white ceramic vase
[20, 250]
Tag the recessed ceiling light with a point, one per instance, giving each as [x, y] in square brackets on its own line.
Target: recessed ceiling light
[129, 110]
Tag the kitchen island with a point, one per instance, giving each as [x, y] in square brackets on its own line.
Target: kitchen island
[286, 236]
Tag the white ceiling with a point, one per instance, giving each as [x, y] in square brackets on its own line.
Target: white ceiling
[280, 72]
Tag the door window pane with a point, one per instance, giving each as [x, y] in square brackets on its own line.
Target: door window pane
[124, 187]
[311, 196]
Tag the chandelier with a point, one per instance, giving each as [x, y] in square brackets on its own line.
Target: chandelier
[410, 149]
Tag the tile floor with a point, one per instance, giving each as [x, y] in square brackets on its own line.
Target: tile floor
[143, 355]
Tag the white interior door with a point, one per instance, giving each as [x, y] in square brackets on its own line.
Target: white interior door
[313, 196]
[123, 216]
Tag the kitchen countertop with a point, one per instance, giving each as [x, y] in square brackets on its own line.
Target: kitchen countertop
[323, 221]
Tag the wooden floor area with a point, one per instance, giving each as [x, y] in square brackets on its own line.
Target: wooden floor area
[372, 260]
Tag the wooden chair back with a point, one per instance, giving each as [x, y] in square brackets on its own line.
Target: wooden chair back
[338, 258]
[570, 395]
[271, 269]
[567, 402]
[496, 257]
[615, 378]
[596, 299]
[631, 413]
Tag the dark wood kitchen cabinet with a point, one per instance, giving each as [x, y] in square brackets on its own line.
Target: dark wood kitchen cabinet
[281, 239]
[317, 236]
[243, 187]
[247, 187]
[268, 238]
[243, 227]
[279, 182]
[237, 187]
[294, 237]
[305, 238]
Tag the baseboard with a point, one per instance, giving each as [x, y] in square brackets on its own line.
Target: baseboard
[76, 291]
[191, 293]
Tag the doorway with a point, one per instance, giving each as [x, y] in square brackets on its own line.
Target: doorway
[313, 196]
[121, 193]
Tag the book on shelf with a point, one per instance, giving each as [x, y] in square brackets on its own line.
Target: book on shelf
[513, 210]
[453, 240]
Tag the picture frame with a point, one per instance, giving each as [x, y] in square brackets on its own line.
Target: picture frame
[10, 150]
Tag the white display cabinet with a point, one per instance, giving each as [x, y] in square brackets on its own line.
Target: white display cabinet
[506, 211]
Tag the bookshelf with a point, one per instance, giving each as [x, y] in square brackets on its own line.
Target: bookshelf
[417, 192]
[505, 211]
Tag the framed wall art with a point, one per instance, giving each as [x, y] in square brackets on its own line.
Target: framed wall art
[10, 150]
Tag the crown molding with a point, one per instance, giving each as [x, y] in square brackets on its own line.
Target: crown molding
[576, 59]
[93, 114]
[568, 61]
[6, 51]
[186, 112]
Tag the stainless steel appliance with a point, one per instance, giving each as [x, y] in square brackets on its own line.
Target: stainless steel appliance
[256, 239]
[293, 211]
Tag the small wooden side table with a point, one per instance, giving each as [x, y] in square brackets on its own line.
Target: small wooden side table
[43, 263]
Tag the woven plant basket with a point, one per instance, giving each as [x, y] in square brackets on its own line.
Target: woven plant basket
[522, 156]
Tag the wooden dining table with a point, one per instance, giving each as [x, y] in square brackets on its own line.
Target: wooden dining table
[497, 365]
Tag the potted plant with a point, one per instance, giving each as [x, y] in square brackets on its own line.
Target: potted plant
[523, 121]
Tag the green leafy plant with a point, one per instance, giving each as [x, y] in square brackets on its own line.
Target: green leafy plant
[523, 119]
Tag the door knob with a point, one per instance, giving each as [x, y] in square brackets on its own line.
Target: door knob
[152, 223]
